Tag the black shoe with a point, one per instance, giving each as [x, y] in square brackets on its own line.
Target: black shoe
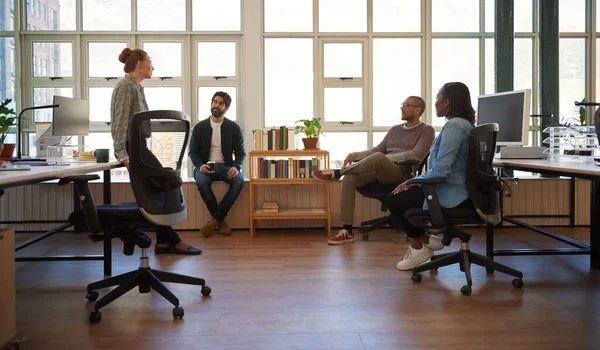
[172, 250]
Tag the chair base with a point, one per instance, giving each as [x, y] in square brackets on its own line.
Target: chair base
[145, 279]
[373, 224]
[465, 257]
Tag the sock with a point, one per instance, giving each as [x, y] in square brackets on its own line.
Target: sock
[348, 228]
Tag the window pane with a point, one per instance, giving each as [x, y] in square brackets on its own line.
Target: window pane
[339, 144]
[7, 19]
[490, 15]
[205, 95]
[159, 15]
[523, 64]
[572, 77]
[448, 68]
[45, 96]
[7, 69]
[343, 60]
[166, 58]
[103, 59]
[378, 137]
[288, 81]
[523, 16]
[53, 15]
[396, 16]
[490, 67]
[59, 58]
[571, 15]
[99, 98]
[394, 61]
[223, 17]
[106, 15]
[164, 98]
[343, 104]
[342, 15]
[455, 16]
[217, 59]
[288, 15]
[597, 70]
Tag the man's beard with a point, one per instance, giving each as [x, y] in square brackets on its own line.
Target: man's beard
[216, 113]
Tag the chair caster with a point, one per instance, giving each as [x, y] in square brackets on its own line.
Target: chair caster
[517, 283]
[417, 277]
[206, 290]
[95, 316]
[178, 312]
[466, 290]
[92, 295]
[489, 270]
[365, 236]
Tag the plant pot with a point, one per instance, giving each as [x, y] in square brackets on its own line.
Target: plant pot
[310, 142]
[7, 151]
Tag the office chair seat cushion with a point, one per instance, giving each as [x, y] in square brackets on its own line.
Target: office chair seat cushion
[126, 212]
[454, 216]
[376, 190]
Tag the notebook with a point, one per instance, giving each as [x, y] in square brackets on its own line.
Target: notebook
[14, 167]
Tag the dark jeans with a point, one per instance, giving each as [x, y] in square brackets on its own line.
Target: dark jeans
[204, 182]
[414, 198]
[164, 234]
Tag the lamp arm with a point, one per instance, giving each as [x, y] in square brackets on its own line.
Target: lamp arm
[19, 125]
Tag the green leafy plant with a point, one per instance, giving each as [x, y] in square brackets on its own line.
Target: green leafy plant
[7, 119]
[581, 111]
[310, 127]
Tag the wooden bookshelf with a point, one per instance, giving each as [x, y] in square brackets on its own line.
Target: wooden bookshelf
[316, 213]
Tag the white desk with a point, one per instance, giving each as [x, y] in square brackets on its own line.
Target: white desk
[39, 174]
[571, 166]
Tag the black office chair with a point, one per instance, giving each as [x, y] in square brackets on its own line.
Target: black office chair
[380, 191]
[483, 186]
[159, 202]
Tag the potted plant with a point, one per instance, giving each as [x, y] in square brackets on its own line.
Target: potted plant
[7, 119]
[312, 129]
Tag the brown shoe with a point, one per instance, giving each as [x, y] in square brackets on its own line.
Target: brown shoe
[327, 174]
[224, 229]
[208, 229]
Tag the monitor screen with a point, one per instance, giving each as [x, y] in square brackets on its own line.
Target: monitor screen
[510, 110]
[71, 117]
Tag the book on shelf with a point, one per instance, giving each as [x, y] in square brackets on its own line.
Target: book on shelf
[289, 168]
[274, 139]
[270, 210]
[271, 205]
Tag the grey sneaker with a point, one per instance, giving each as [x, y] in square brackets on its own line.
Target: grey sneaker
[414, 258]
[435, 243]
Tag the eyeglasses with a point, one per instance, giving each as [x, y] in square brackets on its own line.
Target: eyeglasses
[406, 104]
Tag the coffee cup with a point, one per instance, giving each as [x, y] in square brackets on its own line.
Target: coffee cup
[211, 166]
[101, 155]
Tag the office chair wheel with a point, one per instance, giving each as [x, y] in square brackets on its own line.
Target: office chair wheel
[178, 312]
[416, 277]
[95, 316]
[517, 283]
[365, 236]
[92, 295]
[466, 290]
[206, 290]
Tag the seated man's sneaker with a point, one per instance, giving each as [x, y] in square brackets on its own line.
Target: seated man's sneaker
[435, 243]
[327, 174]
[208, 229]
[414, 258]
[342, 237]
[224, 229]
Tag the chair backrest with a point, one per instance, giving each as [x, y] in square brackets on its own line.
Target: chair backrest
[157, 189]
[483, 183]
[422, 166]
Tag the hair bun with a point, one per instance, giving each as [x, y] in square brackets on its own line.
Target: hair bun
[125, 55]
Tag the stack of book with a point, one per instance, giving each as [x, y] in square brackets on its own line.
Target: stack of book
[270, 207]
[274, 139]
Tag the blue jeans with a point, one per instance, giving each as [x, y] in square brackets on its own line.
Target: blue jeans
[203, 182]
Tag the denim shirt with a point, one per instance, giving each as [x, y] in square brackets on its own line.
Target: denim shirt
[448, 158]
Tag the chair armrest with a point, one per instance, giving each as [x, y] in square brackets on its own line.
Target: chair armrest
[435, 209]
[432, 181]
[85, 198]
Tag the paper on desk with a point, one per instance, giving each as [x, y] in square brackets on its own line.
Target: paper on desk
[44, 138]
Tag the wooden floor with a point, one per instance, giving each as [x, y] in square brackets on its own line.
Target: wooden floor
[290, 290]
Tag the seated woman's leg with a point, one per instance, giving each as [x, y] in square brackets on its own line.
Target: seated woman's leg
[398, 204]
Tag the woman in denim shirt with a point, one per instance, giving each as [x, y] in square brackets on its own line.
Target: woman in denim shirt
[447, 158]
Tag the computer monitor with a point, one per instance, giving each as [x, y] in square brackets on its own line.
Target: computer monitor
[511, 111]
[71, 117]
